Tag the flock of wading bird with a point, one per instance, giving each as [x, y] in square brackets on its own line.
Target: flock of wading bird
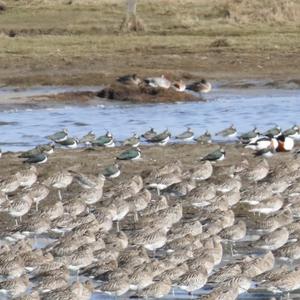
[264, 144]
[202, 86]
[213, 230]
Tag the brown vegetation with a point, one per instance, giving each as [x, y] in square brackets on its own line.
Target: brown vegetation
[132, 23]
[220, 43]
[262, 11]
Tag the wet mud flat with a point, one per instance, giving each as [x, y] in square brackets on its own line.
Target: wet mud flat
[93, 161]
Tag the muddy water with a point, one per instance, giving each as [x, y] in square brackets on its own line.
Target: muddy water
[23, 128]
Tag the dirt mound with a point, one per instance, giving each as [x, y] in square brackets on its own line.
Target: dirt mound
[262, 11]
[219, 43]
[144, 94]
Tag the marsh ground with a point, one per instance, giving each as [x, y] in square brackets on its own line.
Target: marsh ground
[78, 42]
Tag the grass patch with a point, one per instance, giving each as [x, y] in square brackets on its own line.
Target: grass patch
[58, 35]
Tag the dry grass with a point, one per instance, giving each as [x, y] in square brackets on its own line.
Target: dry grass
[51, 37]
[261, 11]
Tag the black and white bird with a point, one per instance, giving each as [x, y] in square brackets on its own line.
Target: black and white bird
[216, 155]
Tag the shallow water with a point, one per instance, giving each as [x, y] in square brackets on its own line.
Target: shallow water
[24, 128]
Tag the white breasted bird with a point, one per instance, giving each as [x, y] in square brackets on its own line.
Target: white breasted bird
[131, 154]
[263, 143]
[202, 86]
[106, 140]
[158, 82]
[187, 135]
[205, 138]
[112, 171]
[249, 137]
[216, 155]
[59, 136]
[228, 132]
[133, 141]
[40, 158]
[273, 132]
[69, 142]
[285, 143]
[161, 138]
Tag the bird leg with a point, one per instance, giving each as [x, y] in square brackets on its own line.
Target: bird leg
[59, 195]
[232, 245]
[36, 206]
[158, 191]
[136, 217]
[118, 226]
[231, 249]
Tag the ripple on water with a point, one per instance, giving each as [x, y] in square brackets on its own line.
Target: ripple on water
[5, 123]
[80, 124]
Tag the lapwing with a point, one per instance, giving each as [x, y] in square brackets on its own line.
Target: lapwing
[69, 143]
[158, 82]
[161, 138]
[292, 132]
[148, 135]
[273, 132]
[202, 86]
[30, 153]
[39, 158]
[266, 152]
[133, 141]
[205, 138]
[284, 143]
[106, 140]
[59, 136]
[216, 155]
[46, 148]
[131, 154]
[228, 132]
[187, 135]
[249, 137]
[88, 138]
[179, 85]
[112, 171]
[132, 79]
